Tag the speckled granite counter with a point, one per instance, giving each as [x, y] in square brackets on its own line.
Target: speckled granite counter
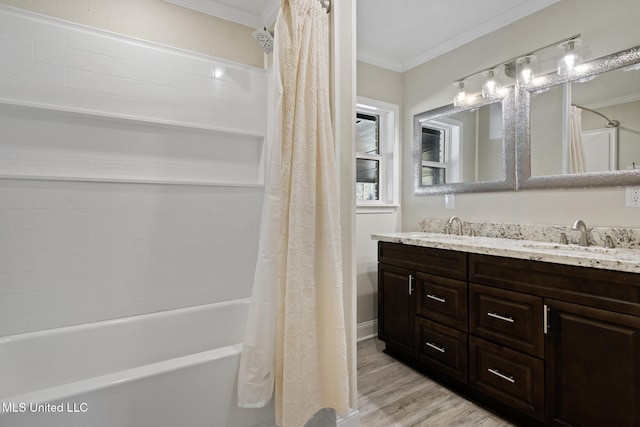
[620, 258]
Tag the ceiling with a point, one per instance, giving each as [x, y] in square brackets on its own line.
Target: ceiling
[396, 35]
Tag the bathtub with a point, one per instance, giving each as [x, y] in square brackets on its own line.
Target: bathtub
[175, 368]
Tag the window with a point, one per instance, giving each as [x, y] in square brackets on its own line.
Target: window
[376, 153]
[368, 158]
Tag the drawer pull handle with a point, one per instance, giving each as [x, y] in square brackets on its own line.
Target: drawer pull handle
[501, 375]
[410, 284]
[497, 316]
[435, 347]
[437, 298]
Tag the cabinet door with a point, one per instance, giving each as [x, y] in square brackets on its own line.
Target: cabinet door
[593, 367]
[396, 307]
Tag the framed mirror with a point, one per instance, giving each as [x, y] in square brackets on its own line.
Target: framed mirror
[582, 129]
[465, 149]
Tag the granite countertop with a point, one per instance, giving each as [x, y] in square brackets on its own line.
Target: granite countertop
[619, 258]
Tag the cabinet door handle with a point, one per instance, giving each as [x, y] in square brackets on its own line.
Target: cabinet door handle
[410, 284]
[435, 347]
[437, 298]
[497, 316]
[545, 314]
[501, 375]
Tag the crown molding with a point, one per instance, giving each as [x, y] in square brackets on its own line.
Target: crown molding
[223, 11]
[506, 18]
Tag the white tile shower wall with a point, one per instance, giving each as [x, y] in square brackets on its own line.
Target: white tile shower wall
[76, 252]
[44, 61]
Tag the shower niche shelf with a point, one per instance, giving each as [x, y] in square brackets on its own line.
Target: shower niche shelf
[53, 143]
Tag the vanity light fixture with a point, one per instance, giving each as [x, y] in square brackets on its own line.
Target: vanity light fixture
[459, 93]
[490, 86]
[571, 56]
[526, 69]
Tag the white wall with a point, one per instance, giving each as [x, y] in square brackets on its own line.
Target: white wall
[604, 30]
[82, 108]
[382, 85]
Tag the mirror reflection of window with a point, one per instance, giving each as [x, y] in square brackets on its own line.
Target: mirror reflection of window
[441, 151]
[367, 156]
[433, 153]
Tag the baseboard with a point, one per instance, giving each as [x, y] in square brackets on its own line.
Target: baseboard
[350, 419]
[366, 330]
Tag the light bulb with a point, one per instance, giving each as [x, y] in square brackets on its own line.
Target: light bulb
[459, 93]
[526, 69]
[490, 87]
[570, 57]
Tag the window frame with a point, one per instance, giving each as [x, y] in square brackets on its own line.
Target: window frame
[388, 157]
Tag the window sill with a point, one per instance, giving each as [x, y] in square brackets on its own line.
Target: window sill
[376, 209]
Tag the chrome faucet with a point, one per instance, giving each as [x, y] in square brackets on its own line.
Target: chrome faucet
[451, 221]
[580, 226]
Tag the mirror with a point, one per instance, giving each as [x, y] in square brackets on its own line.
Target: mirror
[465, 149]
[583, 129]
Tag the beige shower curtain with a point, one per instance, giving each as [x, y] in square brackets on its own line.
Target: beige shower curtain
[302, 286]
[577, 161]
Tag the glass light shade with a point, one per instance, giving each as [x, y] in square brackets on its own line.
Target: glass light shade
[490, 86]
[459, 93]
[571, 56]
[526, 68]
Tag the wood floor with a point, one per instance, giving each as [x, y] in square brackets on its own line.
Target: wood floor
[390, 394]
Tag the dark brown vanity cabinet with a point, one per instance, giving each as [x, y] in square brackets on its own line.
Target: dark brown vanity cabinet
[405, 275]
[578, 350]
[542, 343]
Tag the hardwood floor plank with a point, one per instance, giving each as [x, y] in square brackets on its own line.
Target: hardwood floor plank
[390, 394]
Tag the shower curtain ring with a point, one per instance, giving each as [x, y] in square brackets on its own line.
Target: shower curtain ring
[326, 4]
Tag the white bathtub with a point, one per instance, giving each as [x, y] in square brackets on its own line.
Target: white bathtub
[175, 368]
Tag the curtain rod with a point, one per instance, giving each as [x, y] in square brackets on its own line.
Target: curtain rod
[610, 123]
[326, 4]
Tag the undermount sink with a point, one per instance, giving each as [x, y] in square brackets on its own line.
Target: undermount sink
[573, 248]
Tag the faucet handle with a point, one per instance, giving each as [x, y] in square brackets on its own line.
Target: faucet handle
[608, 241]
[563, 239]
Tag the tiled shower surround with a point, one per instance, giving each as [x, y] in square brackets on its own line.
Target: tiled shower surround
[145, 175]
[75, 252]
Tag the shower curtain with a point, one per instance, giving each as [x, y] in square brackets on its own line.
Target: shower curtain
[295, 339]
[577, 161]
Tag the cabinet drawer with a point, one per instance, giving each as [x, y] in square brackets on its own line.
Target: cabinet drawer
[437, 261]
[443, 348]
[509, 318]
[443, 300]
[509, 376]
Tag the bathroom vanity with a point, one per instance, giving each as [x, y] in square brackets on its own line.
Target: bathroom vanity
[544, 334]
